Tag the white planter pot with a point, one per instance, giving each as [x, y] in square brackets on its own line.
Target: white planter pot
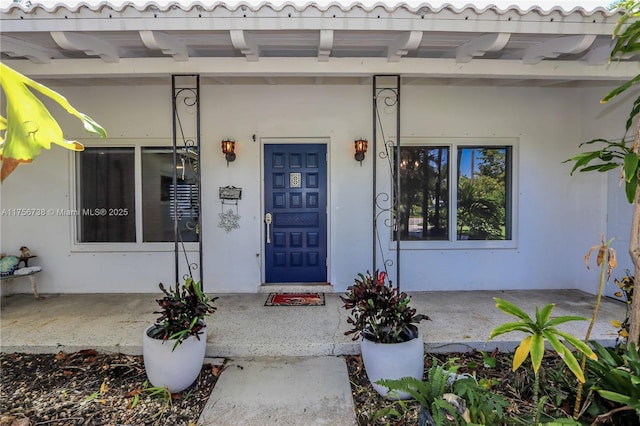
[176, 369]
[393, 361]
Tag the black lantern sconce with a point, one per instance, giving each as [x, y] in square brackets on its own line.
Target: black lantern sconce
[361, 148]
[228, 149]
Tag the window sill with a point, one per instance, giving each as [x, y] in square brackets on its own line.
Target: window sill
[129, 247]
[455, 245]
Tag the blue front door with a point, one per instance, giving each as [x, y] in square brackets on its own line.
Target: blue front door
[295, 213]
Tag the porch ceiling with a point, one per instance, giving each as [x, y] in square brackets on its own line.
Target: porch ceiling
[128, 44]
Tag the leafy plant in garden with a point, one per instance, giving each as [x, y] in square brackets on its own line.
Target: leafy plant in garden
[616, 383]
[162, 394]
[29, 125]
[182, 312]
[606, 260]
[625, 284]
[442, 397]
[427, 393]
[538, 330]
[378, 312]
[485, 407]
[619, 154]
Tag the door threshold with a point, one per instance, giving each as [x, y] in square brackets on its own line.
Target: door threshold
[296, 288]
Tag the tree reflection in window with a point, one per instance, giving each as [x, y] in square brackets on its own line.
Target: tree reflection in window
[483, 177]
[424, 201]
[482, 193]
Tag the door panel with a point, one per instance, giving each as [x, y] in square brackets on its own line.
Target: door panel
[296, 197]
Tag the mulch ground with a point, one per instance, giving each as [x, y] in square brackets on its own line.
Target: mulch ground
[88, 388]
[491, 369]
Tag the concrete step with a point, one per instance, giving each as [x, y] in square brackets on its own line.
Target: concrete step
[281, 391]
[296, 288]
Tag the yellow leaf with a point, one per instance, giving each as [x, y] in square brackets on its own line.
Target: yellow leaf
[103, 386]
[521, 352]
[616, 324]
[624, 333]
[29, 125]
[618, 294]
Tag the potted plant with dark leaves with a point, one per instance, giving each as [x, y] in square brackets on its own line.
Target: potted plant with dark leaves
[174, 346]
[391, 343]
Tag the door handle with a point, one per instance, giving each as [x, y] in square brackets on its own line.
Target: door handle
[268, 219]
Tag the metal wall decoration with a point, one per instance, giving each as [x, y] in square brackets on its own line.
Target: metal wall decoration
[229, 220]
[386, 177]
[229, 193]
[186, 160]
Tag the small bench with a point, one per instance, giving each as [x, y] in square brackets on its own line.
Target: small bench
[27, 271]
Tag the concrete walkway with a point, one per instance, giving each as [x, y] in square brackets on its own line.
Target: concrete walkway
[243, 327]
[285, 366]
[283, 391]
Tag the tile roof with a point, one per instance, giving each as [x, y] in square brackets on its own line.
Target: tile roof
[312, 41]
[34, 7]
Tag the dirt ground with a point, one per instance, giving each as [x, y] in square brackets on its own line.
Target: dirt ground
[492, 369]
[88, 388]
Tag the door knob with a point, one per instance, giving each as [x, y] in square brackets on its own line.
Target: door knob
[268, 219]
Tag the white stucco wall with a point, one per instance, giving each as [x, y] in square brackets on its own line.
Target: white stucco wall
[554, 211]
[558, 216]
[608, 121]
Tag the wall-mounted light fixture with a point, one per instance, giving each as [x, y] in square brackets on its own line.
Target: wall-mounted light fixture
[228, 149]
[361, 148]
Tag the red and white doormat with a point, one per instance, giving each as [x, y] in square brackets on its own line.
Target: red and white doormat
[295, 299]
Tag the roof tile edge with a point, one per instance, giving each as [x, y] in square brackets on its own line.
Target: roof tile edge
[299, 7]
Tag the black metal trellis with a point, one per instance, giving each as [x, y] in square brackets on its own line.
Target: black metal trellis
[186, 153]
[386, 111]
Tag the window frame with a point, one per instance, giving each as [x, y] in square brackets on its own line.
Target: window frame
[453, 143]
[139, 245]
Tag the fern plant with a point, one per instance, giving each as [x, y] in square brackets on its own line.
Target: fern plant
[451, 402]
[484, 406]
[427, 393]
